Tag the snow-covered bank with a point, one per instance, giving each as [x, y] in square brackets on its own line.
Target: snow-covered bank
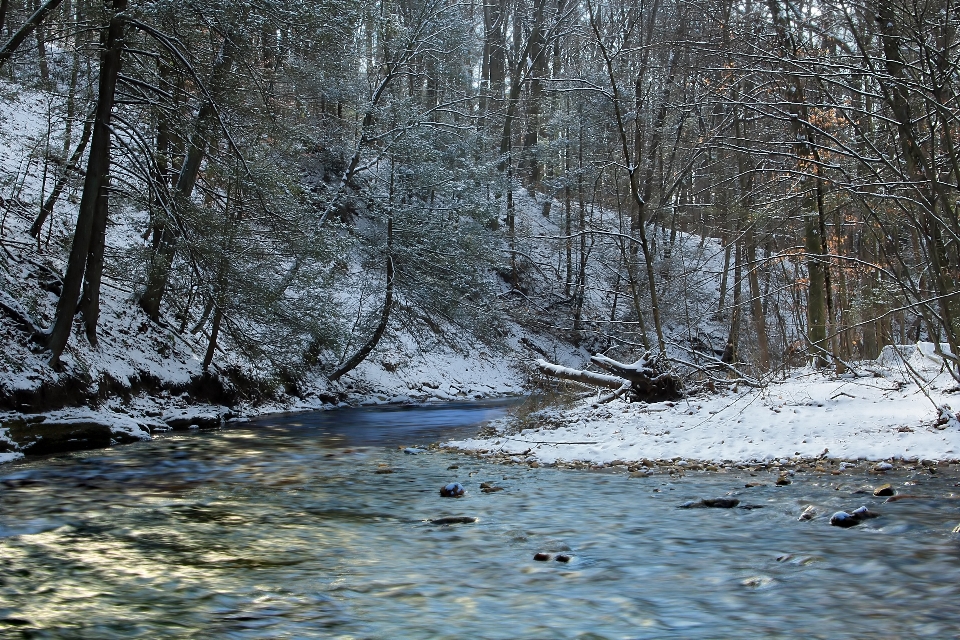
[390, 378]
[883, 415]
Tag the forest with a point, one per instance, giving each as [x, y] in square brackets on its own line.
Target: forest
[741, 186]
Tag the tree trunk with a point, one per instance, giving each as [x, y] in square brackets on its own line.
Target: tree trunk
[98, 166]
[731, 349]
[42, 54]
[816, 294]
[93, 275]
[61, 183]
[165, 237]
[214, 333]
[756, 307]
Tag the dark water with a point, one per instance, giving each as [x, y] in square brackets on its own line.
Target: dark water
[286, 530]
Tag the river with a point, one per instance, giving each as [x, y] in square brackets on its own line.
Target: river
[319, 526]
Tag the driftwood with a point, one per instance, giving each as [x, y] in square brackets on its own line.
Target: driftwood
[644, 380]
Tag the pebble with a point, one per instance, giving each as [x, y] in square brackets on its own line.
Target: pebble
[883, 466]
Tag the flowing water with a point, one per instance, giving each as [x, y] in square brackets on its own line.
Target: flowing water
[293, 528]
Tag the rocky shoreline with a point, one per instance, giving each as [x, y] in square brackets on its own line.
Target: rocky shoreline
[678, 467]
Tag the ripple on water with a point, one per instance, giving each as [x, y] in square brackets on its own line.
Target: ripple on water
[225, 535]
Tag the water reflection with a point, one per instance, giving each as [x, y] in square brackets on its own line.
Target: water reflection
[295, 535]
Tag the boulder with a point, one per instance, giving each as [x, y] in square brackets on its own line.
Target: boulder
[63, 431]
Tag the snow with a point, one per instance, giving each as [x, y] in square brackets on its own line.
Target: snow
[809, 415]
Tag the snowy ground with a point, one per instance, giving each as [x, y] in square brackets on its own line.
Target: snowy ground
[881, 415]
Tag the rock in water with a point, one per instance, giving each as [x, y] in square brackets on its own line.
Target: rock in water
[452, 490]
[852, 519]
[808, 514]
[884, 490]
[783, 481]
[412, 451]
[715, 503]
[454, 520]
[843, 519]
[720, 503]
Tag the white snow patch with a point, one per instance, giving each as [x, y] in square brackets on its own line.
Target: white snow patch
[807, 415]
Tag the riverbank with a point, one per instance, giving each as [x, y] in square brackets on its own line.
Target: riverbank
[899, 409]
[109, 418]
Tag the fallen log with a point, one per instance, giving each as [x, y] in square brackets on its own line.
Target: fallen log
[644, 380]
[586, 377]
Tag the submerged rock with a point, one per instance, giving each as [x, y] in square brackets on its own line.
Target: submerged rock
[852, 519]
[452, 490]
[714, 503]
[808, 514]
[900, 497]
[489, 487]
[454, 520]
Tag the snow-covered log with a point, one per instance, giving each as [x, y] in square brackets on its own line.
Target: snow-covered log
[586, 377]
[644, 380]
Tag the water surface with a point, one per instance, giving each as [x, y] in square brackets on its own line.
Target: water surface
[293, 528]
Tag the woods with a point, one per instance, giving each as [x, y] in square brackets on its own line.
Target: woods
[755, 184]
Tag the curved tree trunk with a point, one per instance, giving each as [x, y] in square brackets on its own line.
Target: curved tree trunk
[365, 350]
[61, 183]
[29, 27]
